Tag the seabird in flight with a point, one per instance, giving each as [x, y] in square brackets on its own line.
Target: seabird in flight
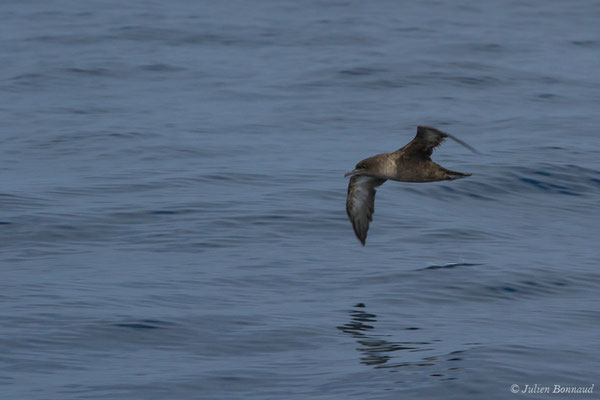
[411, 163]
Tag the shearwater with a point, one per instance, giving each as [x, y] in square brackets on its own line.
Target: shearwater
[411, 163]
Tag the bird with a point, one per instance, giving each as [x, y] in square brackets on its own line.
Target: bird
[411, 163]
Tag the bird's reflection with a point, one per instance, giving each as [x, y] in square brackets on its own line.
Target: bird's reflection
[378, 352]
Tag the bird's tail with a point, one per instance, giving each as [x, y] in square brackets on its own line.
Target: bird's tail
[452, 175]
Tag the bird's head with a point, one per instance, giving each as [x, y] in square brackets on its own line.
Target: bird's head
[361, 168]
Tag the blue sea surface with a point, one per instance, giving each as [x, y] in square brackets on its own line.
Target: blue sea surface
[172, 200]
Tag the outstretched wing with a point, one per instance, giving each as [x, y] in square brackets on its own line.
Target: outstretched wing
[426, 140]
[360, 203]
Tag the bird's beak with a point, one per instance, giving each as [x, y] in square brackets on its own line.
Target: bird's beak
[354, 172]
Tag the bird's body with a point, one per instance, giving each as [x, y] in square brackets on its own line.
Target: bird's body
[411, 163]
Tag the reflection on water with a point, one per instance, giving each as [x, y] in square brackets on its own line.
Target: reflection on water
[418, 356]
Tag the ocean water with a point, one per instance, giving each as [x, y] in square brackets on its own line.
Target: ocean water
[172, 200]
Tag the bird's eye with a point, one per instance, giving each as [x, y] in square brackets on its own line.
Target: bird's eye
[362, 166]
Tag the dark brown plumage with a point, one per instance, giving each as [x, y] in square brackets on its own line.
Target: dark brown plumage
[411, 163]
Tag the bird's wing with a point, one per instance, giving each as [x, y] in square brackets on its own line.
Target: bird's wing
[360, 203]
[426, 140]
